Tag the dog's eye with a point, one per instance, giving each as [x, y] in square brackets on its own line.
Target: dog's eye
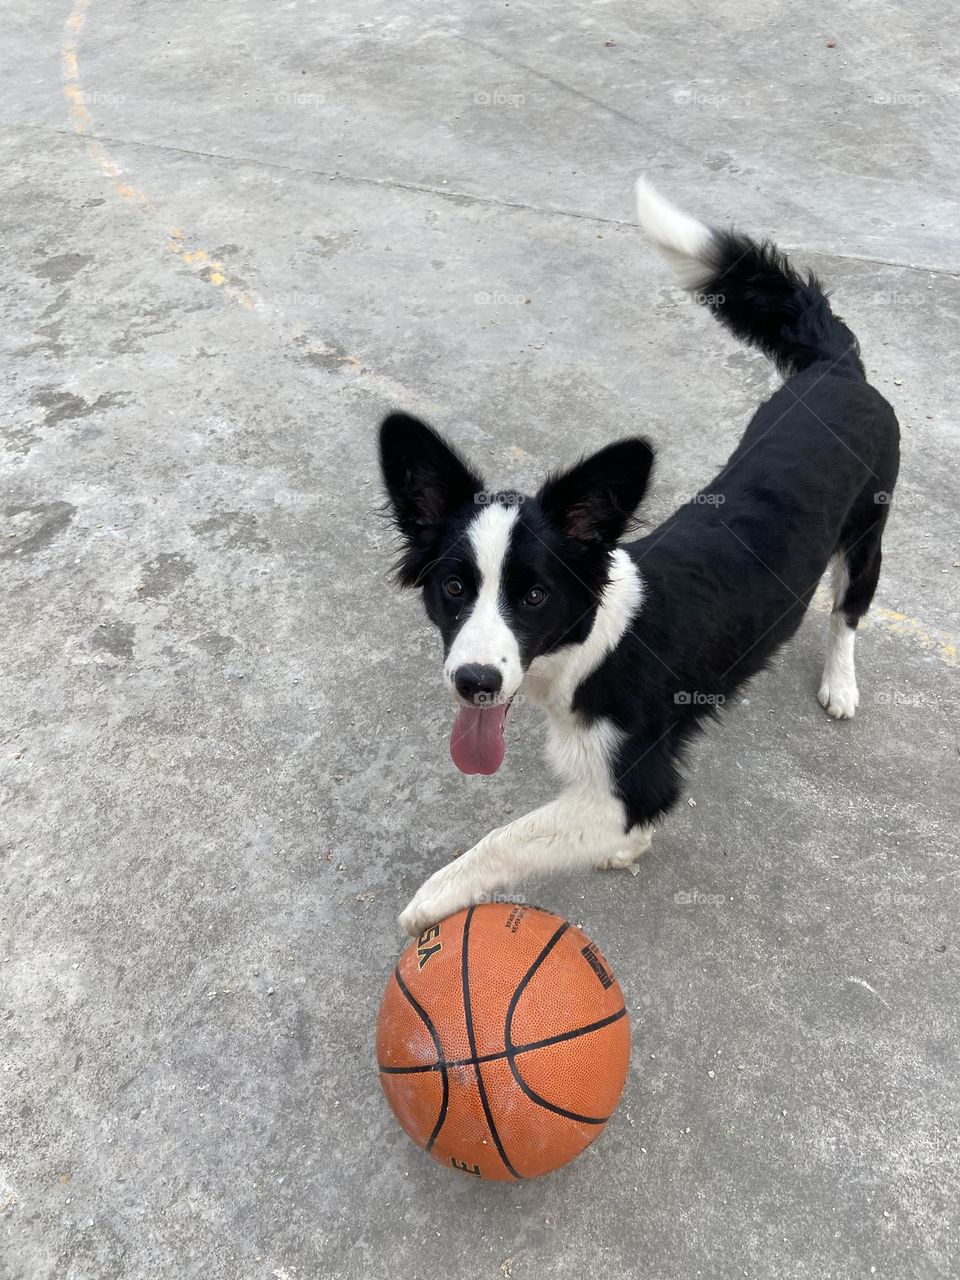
[453, 587]
[535, 597]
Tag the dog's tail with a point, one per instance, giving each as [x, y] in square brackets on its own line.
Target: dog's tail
[751, 288]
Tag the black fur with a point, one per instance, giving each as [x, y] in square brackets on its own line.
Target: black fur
[729, 576]
[561, 542]
[728, 581]
[429, 487]
[758, 295]
[594, 501]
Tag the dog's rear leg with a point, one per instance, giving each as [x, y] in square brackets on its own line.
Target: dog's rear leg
[855, 575]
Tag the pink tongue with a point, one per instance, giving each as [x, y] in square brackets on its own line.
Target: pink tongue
[476, 743]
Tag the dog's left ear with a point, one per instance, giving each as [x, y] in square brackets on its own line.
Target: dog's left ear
[596, 499]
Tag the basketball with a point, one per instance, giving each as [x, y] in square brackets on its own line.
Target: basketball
[503, 1041]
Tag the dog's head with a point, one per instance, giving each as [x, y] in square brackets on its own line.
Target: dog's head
[506, 578]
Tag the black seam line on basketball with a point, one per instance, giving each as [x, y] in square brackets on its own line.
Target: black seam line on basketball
[471, 1038]
[511, 1048]
[502, 1053]
[428, 1023]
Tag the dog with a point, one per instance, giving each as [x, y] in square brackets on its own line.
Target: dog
[630, 647]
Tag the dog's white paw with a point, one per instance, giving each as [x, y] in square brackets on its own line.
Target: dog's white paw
[627, 859]
[620, 862]
[839, 698]
[445, 892]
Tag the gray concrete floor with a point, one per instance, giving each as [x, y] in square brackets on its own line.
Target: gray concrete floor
[234, 234]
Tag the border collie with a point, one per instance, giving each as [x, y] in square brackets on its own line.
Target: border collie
[629, 647]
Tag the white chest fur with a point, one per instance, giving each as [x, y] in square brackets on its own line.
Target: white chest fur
[581, 753]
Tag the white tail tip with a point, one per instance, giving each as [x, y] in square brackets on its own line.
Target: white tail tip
[684, 242]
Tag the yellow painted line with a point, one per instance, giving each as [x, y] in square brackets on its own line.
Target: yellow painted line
[941, 643]
[933, 640]
[78, 16]
[197, 259]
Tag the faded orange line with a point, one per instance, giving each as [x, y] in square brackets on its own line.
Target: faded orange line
[197, 259]
[942, 644]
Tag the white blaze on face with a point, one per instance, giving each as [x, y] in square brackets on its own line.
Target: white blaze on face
[485, 638]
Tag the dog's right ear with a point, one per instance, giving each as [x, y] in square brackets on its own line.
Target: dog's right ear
[426, 481]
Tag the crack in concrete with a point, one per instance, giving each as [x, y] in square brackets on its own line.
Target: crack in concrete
[542, 75]
[466, 197]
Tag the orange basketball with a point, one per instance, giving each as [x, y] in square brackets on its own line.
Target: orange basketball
[503, 1041]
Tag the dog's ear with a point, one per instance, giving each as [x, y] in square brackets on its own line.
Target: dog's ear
[425, 479]
[595, 500]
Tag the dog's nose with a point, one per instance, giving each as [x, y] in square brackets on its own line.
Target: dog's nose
[477, 683]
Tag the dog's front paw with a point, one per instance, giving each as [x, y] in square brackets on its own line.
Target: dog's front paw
[445, 892]
[839, 697]
[626, 859]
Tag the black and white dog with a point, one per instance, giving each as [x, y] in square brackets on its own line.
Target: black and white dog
[628, 647]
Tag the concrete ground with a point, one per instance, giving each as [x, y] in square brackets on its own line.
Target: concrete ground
[234, 234]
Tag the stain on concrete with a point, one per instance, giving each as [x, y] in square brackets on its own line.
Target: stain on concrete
[18, 437]
[148, 323]
[332, 361]
[323, 354]
[233, 529]
[755, 373]
[48, 340]
[34, 528]
[327, 246]
[164, 574]
[59, 302]
[50, 335]
[717, 161]
[64, 406]
[114, 637]
[216, 645]
[61, 267]
[303, 1033]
